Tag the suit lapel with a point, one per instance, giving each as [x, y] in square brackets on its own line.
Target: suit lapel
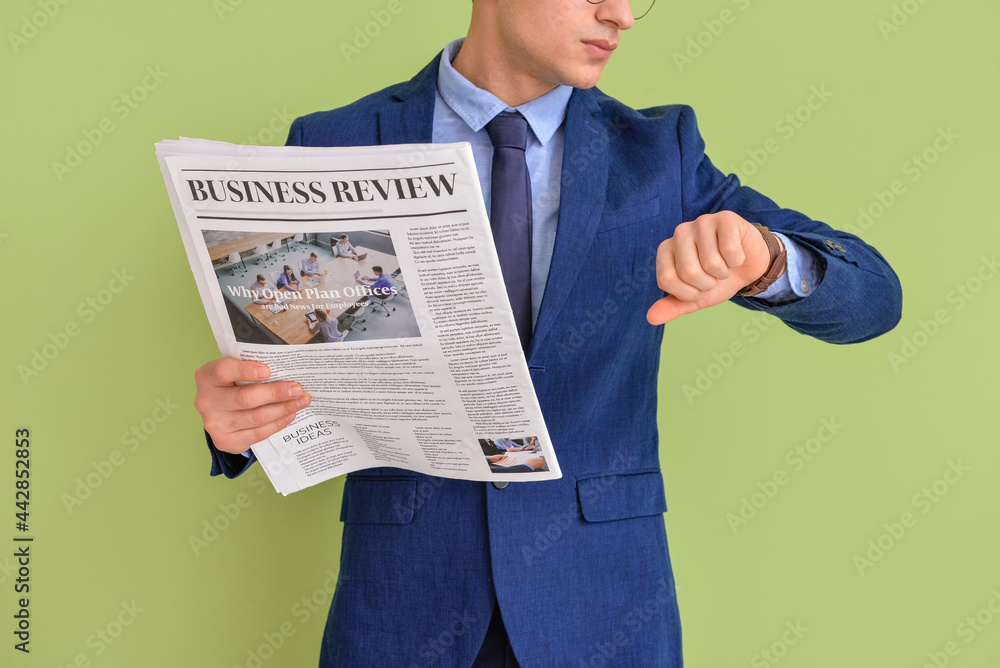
[583, 184]
[410, 120]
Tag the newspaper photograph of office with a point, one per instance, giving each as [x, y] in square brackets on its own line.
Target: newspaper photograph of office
[293, 288]
[513, 455]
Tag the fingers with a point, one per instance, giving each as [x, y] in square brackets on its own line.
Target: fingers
[729, 237]
[227, 371]
[237, 416]
[701, 265]
[687, 261]
[240, 441]
[235, 431]
[217, 390]
[668, 276]
[249, 397]
[702, 253]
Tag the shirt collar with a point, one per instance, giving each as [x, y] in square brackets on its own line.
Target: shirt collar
[477, 107]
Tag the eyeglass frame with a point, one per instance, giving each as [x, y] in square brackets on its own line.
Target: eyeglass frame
[636, 18]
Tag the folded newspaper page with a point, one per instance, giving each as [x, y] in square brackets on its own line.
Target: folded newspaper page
[368, 275]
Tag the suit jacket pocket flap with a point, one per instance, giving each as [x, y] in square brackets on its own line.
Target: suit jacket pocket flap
[615, 497]
[378, 501]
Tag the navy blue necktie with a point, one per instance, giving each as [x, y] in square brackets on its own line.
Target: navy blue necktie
[510, 214]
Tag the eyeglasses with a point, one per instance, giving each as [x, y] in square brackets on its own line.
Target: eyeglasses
[639, 7]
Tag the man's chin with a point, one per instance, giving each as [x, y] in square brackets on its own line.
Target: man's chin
[586, 79]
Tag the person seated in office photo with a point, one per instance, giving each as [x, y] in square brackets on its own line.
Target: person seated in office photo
[288, 280]
[257, 290]
[344, 248]
[508, 464]
[326, 329]
[380, 286]
[509, 445]
[310, 266]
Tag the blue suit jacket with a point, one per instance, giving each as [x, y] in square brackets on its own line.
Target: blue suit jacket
[579, 565]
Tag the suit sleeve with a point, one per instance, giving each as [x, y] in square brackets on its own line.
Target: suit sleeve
[228, 464]
[295, 133]
[859, 296]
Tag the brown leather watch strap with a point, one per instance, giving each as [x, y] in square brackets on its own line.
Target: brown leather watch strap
[779, 259]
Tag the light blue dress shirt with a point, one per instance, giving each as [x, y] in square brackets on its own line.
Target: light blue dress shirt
[308, 266]
[461, 112]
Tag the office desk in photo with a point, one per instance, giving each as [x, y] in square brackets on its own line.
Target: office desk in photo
[223, 250]
[290, 324]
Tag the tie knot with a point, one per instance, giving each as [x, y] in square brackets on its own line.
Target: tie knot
[508, 129]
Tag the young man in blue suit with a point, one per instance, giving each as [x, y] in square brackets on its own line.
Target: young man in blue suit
[570, 572]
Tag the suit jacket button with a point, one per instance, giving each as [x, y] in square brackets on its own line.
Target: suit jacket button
[501, 484]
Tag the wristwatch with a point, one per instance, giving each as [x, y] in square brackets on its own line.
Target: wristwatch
[779, 260]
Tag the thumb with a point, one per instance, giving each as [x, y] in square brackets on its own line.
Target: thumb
[669, 308]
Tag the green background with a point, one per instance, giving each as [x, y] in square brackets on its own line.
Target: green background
[238, 70]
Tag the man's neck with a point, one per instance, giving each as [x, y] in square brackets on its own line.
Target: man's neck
[486, 67]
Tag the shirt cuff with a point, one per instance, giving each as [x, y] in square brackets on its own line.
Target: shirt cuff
[800, 277]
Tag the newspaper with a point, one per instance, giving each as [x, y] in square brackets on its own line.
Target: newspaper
[368, 275]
